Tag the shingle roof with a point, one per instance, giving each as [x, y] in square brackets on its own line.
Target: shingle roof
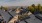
[32, 19]
[5, 15]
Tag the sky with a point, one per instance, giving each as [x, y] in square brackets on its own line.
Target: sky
[19, 2]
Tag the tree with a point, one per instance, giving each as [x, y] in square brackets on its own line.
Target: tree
[31, 8]
[40, 9]
[33, 5]
[2, 7]
[39, 6]
[5, 9]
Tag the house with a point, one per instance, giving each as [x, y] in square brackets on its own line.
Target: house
[16, 14]
[32, 19]
[5, 15]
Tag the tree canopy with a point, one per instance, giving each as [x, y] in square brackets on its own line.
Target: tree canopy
[34, 8]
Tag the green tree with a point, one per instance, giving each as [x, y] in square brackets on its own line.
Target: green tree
[39, 6]
[2, 7]
[33, 5]
[5, 9]
[32, 8]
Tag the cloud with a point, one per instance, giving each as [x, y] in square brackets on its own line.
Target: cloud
[19, 2]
